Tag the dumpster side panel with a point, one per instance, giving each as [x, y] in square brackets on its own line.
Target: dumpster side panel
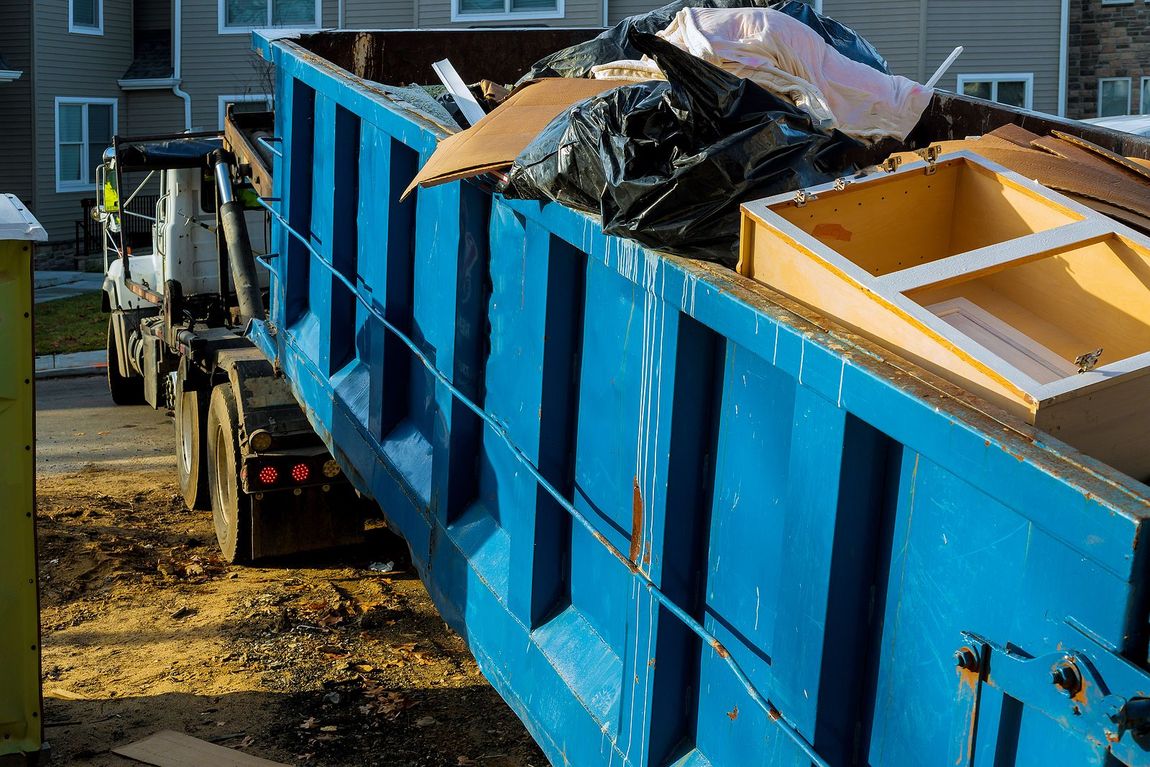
[676, 521]
[20, 727]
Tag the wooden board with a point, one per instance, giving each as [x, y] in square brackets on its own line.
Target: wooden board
[173, 749]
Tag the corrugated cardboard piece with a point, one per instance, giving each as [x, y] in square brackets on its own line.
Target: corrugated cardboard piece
[495, 141]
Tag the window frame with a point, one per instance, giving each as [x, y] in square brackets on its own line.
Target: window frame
[223, 28]
[507, 14]
[77, 29]
[86, 184]
[241, 98]
[1144, 96]
[994, 78]
[1129, 94]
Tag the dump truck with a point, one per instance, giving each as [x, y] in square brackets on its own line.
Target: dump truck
[679, 518]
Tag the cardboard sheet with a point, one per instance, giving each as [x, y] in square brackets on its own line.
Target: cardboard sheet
[168, 748]
[496, 140]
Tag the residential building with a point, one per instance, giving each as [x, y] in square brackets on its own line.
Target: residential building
[1110, 58]
[1014, 52]
[75, 72]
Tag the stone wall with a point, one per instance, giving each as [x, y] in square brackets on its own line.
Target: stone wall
[1106, 41]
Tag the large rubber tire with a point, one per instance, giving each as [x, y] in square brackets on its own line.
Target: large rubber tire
[191, 413]
[231, 507]
[125, 390]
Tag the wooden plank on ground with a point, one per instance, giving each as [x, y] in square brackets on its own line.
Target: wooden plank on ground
[174, 749]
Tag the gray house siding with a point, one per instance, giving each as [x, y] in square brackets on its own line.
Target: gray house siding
[16, 145]
[76, 65]
[621, 9]
[576, 13]
[892, 27]
[215, 64]
[379, 14]
[152, 112]
[999, 38]
[991, 30]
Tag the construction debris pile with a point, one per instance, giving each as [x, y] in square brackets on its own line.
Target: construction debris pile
[664, 123]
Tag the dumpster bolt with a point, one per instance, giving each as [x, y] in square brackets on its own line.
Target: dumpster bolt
[1066, 678]
[966, 659]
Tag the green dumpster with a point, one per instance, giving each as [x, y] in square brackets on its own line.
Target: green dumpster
[21, 728]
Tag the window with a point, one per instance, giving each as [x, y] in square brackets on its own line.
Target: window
[84, 129]
[1113, 96]
[479, 10]
[247, 102]
[86, 17]
[1144, 102]
[1015, 90]
[239, 16]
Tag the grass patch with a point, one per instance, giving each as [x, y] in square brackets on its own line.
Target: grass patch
[73, 324]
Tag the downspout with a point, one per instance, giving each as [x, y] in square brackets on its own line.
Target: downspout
[339, 13]
[923, 18]
[177, 17]
[1063, 57]
[606, 14]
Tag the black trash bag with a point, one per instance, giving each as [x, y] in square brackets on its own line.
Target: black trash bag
[614, 44]
[668, 163]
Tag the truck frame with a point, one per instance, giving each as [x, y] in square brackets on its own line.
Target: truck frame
[244, 448]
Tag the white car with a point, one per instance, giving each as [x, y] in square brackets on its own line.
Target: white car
[1139, 125]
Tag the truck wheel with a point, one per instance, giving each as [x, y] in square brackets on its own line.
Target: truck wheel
[125, 390]
[231, 507]
[191, 413]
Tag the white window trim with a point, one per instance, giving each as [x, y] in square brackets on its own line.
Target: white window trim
[1129, 92]
[89, 184]
[1119, 2]
[223, 29]
[507, 15]
[79, 30]
[1143, 102]
[243, 98]
[994, 78]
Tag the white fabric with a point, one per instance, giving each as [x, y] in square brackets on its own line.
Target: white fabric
[791, 60]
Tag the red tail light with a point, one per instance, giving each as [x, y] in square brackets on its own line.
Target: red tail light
[268, 475]
[300, 472]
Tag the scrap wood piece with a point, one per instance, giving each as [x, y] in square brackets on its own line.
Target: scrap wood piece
[494, 142]
[1136, 168]
[1015, 134]
[168, 748]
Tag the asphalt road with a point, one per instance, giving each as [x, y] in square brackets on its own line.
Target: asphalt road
[77, 424]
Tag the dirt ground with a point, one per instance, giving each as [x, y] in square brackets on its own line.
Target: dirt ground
[329, 661]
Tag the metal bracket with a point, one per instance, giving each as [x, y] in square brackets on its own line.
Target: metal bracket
[891, 164]
[1089, 361]
[931, 155]
[842, 183]
[802, 197]
[1073, 687]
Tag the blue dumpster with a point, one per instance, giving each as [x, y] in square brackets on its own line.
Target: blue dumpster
[679, 519]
